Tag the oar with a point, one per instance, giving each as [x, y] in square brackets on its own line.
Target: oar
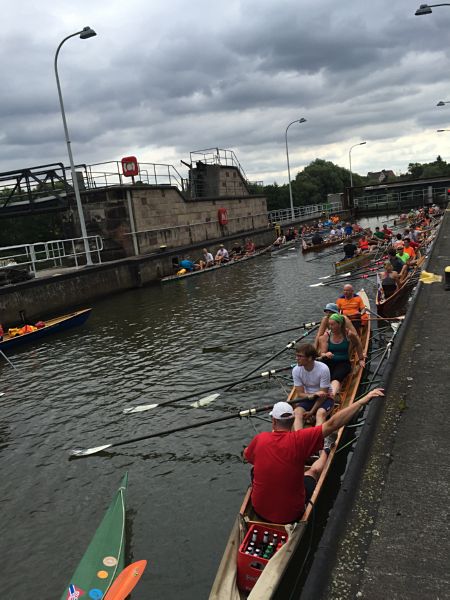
[7, 359]
[243, 413]
[126, 581]
[257, 337]
[207, 399]
[287, 347]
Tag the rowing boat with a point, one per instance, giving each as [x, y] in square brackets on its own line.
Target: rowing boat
[328, 243]
[104, 558]
[348, 263]
[50, 326]
[230, 263]
[266, 581]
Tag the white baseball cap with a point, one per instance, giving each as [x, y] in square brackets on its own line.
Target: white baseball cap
[282, 410]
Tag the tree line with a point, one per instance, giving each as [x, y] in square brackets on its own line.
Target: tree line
[322, 177]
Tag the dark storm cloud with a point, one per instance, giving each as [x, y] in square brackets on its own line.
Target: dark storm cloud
[165, 79]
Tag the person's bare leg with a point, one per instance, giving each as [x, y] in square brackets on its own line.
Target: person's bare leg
[298, 418]
[318, 465]
[321, 416]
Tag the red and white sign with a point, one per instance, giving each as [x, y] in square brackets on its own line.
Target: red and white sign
[130, 166]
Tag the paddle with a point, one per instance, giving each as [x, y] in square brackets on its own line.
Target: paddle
[206, 399]
[288, 347]
[7, 359]
[257, 337]
[126, 581]
[78, 452]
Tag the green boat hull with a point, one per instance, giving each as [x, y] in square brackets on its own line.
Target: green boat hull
[105, 557]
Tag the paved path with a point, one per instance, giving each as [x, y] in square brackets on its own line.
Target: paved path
[397, 542]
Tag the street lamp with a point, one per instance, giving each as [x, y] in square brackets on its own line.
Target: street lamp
[302, 120]
[84, 34]
[350, 160]
[425, 9]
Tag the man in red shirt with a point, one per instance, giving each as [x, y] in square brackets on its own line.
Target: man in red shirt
[281, 487]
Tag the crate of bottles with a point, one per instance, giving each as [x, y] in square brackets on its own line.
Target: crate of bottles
[261, 542]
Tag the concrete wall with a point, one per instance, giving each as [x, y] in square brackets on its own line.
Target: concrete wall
[163, 217]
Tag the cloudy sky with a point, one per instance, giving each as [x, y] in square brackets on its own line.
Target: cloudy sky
[163, 78]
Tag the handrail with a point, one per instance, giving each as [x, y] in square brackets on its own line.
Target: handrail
[53, 251]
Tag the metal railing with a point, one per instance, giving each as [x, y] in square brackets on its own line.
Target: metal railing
[50, 254]
[304, 212]
[110, 173]
[401, 200]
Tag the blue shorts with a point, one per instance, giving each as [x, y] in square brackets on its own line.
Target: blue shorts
[307, 405]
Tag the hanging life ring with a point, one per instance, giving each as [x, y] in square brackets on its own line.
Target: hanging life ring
[222, 215]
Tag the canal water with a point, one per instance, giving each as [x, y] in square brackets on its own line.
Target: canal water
[184, 489]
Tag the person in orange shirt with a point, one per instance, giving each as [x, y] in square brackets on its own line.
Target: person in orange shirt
[409, 249]
[352, 306]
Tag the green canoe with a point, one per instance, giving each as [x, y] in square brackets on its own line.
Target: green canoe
[104, 559]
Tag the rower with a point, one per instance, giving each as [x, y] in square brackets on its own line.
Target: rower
[222, 255]
[350, 250]
[331, 309]
[363, 245]
[348, 229]
[249, 246]
[352, 306]
[389, 280]
[317, 239]
[207, 259]
[281, 487]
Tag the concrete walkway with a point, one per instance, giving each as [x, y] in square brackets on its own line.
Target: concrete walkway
[397, 543]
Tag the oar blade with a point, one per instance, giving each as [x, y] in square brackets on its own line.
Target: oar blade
[205, 401]
[140, 408]
[88, 451]
[316, 284]
[126, 581]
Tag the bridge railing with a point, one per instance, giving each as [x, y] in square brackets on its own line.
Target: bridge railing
[391, 200]
[53, 253]
[304, 212]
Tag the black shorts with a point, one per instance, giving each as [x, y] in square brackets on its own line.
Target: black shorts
[339, 369]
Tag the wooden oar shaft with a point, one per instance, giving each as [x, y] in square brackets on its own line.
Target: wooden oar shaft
[287, 347]
[223, 386]
[260, 337]
[241, 414]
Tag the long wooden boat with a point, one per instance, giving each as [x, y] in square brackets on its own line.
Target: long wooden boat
[225, 586]
[104, 558]
[286, 246]
[328, 243]
[50, 326]
[386, 307]
[230, 263]
[347, 264]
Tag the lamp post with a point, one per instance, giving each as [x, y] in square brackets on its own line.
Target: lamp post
[85, 33]
[350, 160]
[425, 9]
[302, 120]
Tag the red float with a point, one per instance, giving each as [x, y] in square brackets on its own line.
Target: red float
[222, 215]
[130, 166]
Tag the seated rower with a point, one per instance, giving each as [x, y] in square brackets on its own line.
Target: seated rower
[348, 229]
[236, 250]
[316, 239]
[388, 233]
[352, 306]
[281, 239]
[249, 247]
[331, 309]
[281, 487]
[335, 347]
[188, 264]
[407, 247]
[350, 250]
[389, 280]
[222, 255]
[397, 265]
[207, 259]
[363, 245]
[379, 236]
[313, 393]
